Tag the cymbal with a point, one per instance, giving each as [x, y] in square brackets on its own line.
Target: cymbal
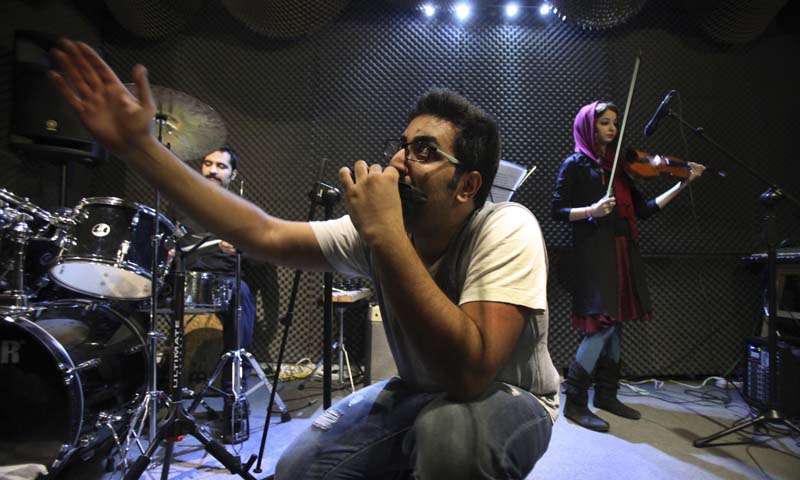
[191, 128]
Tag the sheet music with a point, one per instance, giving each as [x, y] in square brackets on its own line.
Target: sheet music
[509, 177]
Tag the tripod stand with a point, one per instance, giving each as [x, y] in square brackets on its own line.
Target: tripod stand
[178, 421]
[770, 415]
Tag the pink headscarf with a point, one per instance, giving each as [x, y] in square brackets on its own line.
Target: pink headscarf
[583, 131]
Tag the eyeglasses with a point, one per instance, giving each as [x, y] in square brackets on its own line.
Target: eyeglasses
[419, 151]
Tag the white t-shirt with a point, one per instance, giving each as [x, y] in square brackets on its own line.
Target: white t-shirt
[498, 257]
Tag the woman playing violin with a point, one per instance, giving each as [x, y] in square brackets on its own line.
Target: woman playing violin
[608, 283]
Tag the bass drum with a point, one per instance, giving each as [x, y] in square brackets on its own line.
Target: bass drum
[66, 365]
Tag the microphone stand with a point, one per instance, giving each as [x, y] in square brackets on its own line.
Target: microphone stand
[325, 195]
[769, 199]
[330, 196]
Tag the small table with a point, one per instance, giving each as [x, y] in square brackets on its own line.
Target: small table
[342, 301]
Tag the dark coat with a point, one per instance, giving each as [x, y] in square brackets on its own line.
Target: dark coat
[593, 278]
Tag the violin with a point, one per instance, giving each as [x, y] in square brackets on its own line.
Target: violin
[642, 165]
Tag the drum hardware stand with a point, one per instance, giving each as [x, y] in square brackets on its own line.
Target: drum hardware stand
[153, 394]
[16, 299]
[770, 413]
[179, 422]
[322, 194]
[239, 409]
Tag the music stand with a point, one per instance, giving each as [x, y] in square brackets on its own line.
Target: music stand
[769, 199]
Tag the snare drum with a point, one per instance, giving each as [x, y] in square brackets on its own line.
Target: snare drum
[203, 292]
[109, 251]
[206, 292]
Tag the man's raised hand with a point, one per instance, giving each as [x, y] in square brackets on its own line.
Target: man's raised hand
[119, 120]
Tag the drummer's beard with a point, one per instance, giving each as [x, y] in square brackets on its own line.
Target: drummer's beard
[214, 178]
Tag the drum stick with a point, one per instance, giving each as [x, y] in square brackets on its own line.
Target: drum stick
[203, 246]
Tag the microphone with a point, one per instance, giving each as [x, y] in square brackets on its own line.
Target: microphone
[661, 112]
[324, 194]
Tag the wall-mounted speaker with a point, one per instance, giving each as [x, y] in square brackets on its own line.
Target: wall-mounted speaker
[43, 125]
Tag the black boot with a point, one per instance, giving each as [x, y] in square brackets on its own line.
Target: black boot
[576, 407]
[606, 384]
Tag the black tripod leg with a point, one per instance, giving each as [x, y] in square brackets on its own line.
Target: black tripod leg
[212, 414]
[771, 417]
[706, 441]
[217, 450]
[168, 449]
[180, 422]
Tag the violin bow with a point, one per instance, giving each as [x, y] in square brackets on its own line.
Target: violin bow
[624, 122]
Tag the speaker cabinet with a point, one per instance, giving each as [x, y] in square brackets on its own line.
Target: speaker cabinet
[380, 364]
[43, 125]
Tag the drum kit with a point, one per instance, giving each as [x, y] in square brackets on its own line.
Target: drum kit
[77, 361]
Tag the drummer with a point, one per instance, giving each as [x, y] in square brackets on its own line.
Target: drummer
[221, 167]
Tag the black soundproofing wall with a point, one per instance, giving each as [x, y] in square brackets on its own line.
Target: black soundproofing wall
[338, 92]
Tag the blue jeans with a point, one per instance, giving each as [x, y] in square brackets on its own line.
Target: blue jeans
[603, 343]
[387, 428]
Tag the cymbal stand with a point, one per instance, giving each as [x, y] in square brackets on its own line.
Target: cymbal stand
[236, 357]
[325, 195]
[148, 408]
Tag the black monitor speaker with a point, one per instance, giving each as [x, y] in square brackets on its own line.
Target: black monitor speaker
[43, 125]
[756, 385]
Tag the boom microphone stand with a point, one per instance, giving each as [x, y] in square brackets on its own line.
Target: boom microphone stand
[769, 199]
[325, 195]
